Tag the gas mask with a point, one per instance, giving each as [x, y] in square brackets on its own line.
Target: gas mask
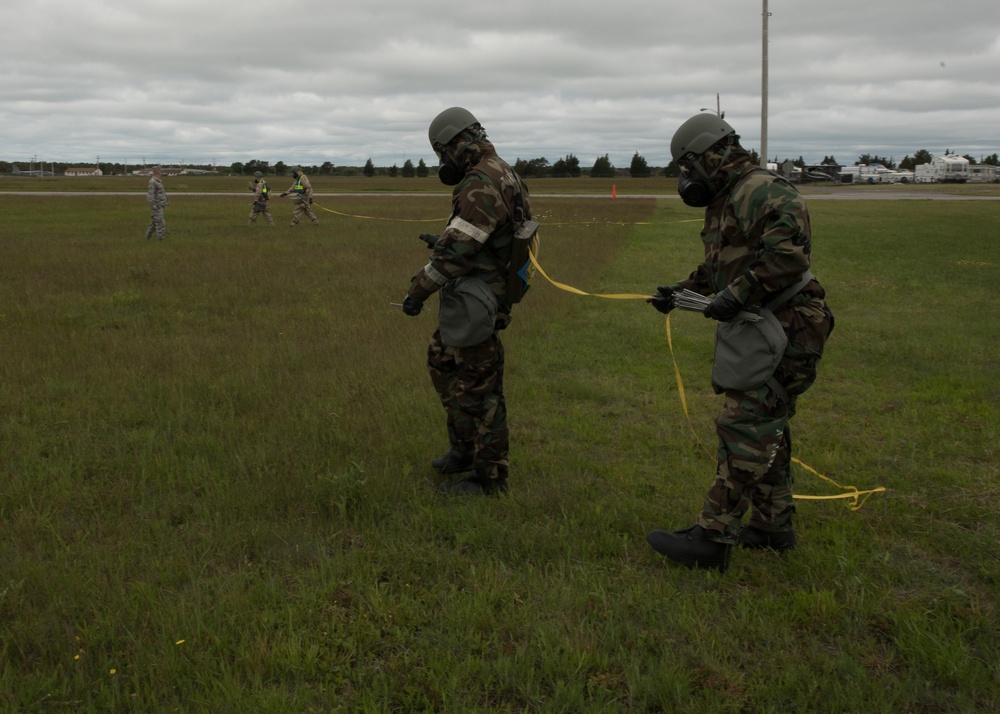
[449, 172]
[693, 185]
[697, 188]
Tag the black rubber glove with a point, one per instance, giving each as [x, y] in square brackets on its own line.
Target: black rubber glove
[724, 307]
[412, 306]
[663, 300]
[430, 239]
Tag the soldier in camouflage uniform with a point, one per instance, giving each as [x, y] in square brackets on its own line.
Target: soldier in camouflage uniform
[156, 195]
[489, 203]
[757, 244]
[303, 191]
[261, 196]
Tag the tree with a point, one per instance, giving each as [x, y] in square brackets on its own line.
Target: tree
[408, 170]
[869, 160]
[369, 169]
[639, 167]
[921, 157]
[754, 159]
[531, 167]
[992, 160]
[280, 169]
[422, 170]
[237, 167]
[602, 168]
[829, 160]
[327, 168]
[569, 166]
[256, 165]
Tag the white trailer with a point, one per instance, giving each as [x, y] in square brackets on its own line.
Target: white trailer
[943, 169]
[873, 173]
[983, 173]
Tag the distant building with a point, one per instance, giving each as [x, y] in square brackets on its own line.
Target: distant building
[83, 171]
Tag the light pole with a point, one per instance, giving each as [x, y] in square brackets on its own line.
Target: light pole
[718, 108]
[763, 88]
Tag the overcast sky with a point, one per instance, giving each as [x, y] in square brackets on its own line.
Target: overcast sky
[171, 81]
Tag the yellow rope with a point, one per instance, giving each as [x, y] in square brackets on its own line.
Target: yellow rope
[575, 291]
[437, 220]
[857, 497]
[376, 218]
[851, 492]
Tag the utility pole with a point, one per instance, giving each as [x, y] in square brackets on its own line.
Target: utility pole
[763, 89]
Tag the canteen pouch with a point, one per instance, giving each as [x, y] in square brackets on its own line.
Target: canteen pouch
[747, 353]
[468, 312]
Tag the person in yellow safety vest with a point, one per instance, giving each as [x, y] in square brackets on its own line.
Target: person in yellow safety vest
[303, 196]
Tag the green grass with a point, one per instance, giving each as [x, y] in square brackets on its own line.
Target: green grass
[216, 497]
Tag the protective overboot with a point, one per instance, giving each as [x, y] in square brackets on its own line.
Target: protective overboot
[691, 547]
[454, 462]
[475, 485]
[757, 539]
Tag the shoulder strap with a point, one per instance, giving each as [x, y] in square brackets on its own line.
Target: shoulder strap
[788, 293]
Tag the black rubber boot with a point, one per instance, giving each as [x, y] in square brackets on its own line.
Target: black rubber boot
[454, 462]
[475, 485]
[691, 547]
[757, 539]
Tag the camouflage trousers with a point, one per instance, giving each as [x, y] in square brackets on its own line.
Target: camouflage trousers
[755, 443]
[302, 206]
[157, 224]
[260, 208]
[469, 382]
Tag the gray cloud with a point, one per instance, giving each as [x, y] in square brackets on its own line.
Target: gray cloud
[230, 81]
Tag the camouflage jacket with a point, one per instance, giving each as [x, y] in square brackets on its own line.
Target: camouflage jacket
[488, 205]
[156, 194]
[757, 238]
[261, 191]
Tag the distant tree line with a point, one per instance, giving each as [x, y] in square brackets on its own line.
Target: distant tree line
[566, 167]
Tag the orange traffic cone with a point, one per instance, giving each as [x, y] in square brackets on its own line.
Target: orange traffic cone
[614, 193]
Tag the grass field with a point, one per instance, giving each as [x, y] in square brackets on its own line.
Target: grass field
[216, 497]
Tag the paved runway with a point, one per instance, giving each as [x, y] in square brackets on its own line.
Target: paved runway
[831, 194]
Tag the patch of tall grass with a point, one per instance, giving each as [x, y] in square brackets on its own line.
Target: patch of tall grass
[216, 493]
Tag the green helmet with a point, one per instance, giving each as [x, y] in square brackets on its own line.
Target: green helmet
[449, 124]
[257, 174]
[698, 134]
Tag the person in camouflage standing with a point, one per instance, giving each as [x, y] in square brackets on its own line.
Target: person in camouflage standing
[262, 194]
[757, 243]
[156, 195]
[468, 266]
[303, 191]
